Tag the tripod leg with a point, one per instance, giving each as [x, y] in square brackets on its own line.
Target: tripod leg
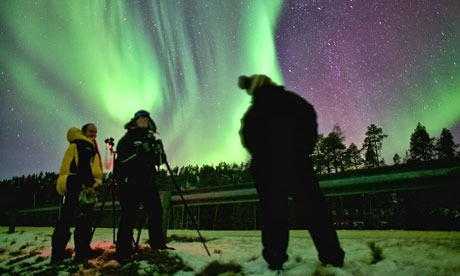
[187, 208]
[136, 244]
[113, 214]
[96, 221]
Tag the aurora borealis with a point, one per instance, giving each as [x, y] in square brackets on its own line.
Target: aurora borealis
[66, 63]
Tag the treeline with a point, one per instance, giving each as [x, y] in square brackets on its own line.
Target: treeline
[30, 191]
[330, 157]
[195, 177]
[39, 190]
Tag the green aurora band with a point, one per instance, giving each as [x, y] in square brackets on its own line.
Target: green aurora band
[439, 108]
[101, 61]
[66, 63]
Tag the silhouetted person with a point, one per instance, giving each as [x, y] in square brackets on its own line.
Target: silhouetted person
[280, 131]
[135, 172]
[80, 171]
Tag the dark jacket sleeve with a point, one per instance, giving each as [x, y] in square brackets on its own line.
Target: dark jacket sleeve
[255, 133]
[302, 124]
[279, 124]
[247, 131]
[125, 154]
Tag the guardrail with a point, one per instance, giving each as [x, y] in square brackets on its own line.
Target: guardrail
[402, 181]
[394, 182]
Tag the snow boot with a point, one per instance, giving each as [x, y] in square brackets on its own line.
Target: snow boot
[59, 257]
[275, 260]
[59, 241]
[333, 259]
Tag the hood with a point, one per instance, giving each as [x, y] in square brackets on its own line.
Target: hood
[74, 134]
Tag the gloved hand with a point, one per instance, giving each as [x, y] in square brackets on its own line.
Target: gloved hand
[87, 199]
[83, 180]
[145, 152]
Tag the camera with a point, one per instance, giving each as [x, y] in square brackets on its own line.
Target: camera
[152, 150]
[158, 146]
[109, 142]
[160, 156]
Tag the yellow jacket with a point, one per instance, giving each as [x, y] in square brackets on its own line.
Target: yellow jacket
[71, 154]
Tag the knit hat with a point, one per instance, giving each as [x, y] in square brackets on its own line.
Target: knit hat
[254, 81]
[141, 113]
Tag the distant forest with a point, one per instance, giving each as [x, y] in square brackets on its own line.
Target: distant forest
[331, 158]
[434, 209]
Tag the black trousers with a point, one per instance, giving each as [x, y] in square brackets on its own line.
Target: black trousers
[295, 177]
[71, 215]
[132, 193]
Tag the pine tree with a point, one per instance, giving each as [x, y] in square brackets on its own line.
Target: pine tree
[334, 148]
[406, 157]
[372, 146]
[396, 159]
[318, 157]
[421, 145]
[353, 157]
[445, 146]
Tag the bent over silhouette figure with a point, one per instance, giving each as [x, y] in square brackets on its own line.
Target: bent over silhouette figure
[280, 131]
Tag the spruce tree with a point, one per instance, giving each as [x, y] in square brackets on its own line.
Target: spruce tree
[353, 157]
[372, 146]
[445, 146]
[318, 157]
[396, 159]
[334, 148]
[421, 144]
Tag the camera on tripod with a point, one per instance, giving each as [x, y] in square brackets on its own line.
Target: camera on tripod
[109, 159]
[158, 147]
[159, 156]
[110, 143]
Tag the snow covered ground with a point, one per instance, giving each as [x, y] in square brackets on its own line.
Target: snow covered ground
[27, 252]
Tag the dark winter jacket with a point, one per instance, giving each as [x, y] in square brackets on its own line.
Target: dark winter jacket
[279, 124]
[80, 160]
[137, 155]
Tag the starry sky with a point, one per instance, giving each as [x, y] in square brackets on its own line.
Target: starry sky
[66, 63]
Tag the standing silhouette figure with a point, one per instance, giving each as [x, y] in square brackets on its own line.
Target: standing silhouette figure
[135, 172]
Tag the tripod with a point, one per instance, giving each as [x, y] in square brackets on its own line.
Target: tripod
[159, 150]
[163, 160]
[112, 189]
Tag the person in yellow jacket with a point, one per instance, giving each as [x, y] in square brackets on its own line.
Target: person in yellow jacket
[80, 172]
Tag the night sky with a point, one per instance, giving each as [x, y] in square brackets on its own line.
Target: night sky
[66, 63]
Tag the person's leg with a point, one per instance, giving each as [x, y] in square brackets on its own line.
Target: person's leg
[61, 234]
[312, 204]
[129, 210]
[274, 216]
[152, 206]
[275, 229]
[82, 234]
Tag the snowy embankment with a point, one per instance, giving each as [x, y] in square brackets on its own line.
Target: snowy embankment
[27, 252]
